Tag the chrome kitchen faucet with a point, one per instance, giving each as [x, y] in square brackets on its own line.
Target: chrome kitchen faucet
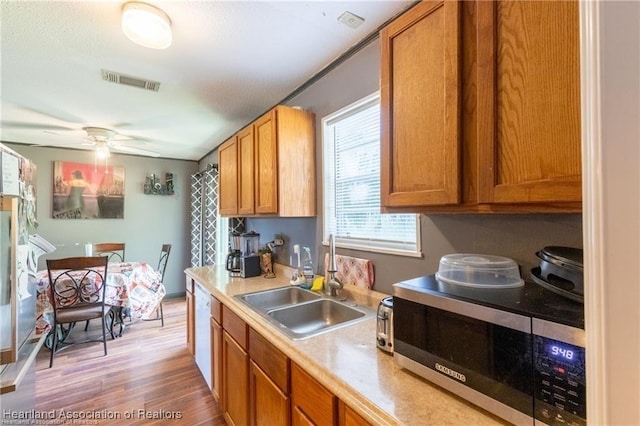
[332, 284]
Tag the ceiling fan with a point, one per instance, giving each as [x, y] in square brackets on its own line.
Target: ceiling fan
[71, 132]
[104, 141]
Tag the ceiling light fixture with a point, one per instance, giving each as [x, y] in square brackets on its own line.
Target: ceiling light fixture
[146, 25]
[99, 138]
[101, 153]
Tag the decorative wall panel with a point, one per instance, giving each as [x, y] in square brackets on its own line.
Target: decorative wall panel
[196, 219]
[204, 216]
[210, 216]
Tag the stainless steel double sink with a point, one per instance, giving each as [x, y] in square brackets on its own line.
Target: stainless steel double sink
[301, 313]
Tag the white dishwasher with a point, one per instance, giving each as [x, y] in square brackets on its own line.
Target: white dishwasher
[203, 332]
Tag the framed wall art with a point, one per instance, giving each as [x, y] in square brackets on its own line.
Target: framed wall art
[87, 191]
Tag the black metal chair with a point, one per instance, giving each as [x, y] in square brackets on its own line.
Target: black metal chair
[114, 251]
[162, 266]
[77, 288]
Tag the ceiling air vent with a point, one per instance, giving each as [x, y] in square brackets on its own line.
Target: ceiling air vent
[128, 80]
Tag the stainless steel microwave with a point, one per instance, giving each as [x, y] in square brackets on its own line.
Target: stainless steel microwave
[518, 353]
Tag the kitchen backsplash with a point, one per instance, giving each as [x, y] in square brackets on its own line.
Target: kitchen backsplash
[516, 236]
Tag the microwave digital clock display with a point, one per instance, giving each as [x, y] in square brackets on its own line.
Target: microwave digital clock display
[561, 352]
[555, 351]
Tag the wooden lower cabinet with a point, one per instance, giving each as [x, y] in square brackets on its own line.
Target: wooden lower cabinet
[235, 377]
[298, 418]
[313, 404]
[269, 385]
[268, 404]
[311, 401]
[191, 320]
[216, 359]
[348, 417]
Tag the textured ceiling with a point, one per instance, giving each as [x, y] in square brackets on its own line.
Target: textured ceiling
[230, 61]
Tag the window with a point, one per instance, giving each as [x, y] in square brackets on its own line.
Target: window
[351, 139]
[222, 240]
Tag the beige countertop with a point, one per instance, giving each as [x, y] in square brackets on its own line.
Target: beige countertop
[347, 362]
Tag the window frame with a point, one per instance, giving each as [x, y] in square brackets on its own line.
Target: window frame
[368, 245]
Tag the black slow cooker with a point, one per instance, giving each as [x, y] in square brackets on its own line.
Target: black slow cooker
[561, 270]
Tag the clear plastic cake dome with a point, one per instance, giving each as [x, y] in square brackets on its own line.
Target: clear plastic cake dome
[479, 270]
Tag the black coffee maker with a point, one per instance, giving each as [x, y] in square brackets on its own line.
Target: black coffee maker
[233, 258]
[249, 255]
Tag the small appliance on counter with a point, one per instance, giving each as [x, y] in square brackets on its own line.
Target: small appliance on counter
[249, 255]
[561, 270]
[233, 258]
[518, 352]
[384, 329]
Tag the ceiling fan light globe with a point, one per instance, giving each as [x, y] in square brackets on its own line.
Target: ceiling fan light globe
[102, 152]
[146, 25]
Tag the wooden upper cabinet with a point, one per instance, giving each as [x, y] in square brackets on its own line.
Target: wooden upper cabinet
[228, 177]
[528, 102]
[480, 104]
[420, 106]
[266, 164]
[246, 165]
[281, 180]
[296, 162]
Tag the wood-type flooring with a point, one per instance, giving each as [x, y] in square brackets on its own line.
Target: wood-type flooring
[147, 378]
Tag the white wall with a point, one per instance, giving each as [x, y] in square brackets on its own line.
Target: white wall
[149, 220]
[615, 318]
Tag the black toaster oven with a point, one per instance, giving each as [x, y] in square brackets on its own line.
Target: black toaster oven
[518, 353]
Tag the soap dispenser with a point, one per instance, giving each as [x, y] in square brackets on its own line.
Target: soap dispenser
[307, 268]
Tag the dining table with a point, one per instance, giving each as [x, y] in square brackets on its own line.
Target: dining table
[134, 290]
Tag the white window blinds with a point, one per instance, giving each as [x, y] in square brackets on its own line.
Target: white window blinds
[352, 184]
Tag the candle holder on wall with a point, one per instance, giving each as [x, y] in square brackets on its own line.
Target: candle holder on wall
[153, 186]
